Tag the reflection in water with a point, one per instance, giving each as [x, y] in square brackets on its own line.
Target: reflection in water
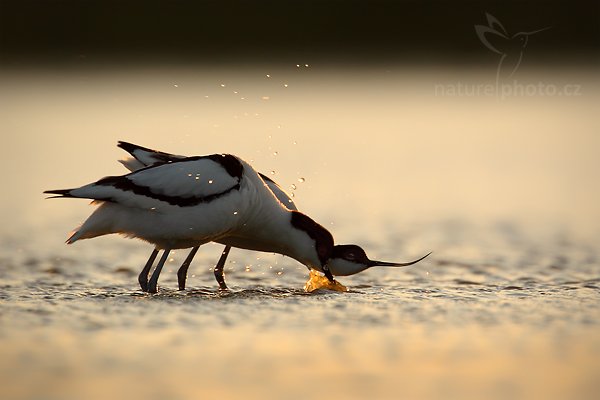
[503, 192]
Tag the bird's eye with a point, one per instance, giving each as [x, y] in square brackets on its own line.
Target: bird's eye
[350, 256]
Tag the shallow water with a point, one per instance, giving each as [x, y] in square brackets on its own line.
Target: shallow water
[505, 307]
[522, 324]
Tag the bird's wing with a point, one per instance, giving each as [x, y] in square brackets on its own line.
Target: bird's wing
[492, 39]
[144, 157]
[186, 182]
[495, 24]
[281, 195]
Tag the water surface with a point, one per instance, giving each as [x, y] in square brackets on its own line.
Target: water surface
[503, 191]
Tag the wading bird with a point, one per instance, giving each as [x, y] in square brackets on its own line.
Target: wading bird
[184, 202]
[142, 157]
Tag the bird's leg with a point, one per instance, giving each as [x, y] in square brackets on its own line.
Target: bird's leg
[182, 273]
[143, 277]
[328, 274]
[153, 283]
[219, 268]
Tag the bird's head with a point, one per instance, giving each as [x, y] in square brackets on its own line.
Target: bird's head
[523, 37]
[350, 259]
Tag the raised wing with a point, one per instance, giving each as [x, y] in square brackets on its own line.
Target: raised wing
[281, 195]
[144, 157]
[186, 182]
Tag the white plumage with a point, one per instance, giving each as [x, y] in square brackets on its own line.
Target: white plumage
[142, 157]
[168, 206]
[179, 202]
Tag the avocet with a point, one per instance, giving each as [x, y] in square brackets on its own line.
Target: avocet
[183, 202]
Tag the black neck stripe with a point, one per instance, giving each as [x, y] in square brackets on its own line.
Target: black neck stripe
[321, 236]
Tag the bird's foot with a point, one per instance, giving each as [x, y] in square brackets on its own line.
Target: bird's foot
[143, 283]
[152, 286]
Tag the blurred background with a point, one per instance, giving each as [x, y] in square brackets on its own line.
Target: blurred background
[398, 125]
[391, 103]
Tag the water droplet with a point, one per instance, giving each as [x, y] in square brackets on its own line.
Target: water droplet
[197, 178]
[275, 153]
[210, 181]
[294, 142]
[235, 92]
[222, 85]
[301, 180]
[235, 213]
[292, 195]
[152, 208]
[297, 65]
[273, 172]
[285, 85]
[189, 174]
[306, 65]
[293, 186]
[268, 75]
[265, 98]
[176, 85]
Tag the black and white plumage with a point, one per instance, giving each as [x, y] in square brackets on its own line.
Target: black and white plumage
[177, 202]
[142, 157]
[188, 201]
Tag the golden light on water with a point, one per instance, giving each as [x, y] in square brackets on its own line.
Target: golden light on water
[499, 188]
[318, 281]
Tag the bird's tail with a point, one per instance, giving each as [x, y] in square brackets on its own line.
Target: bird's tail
[60, 193]
[75, 236]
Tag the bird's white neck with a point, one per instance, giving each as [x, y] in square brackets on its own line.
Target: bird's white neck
[277, 234]
[274, 228]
